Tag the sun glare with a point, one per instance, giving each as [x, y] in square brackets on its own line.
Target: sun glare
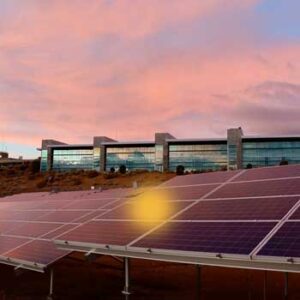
[152, 205]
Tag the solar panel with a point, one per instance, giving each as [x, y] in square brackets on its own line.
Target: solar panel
[8, 242]
[270, 173]
[211, 237]
[230, 215]
[205, 178]
[240, 209]
[285, 242]
[126, 211]
[296, 214]
[29, 222]
[118, 233]
[37, 252]
[188, 193]
[258, 188]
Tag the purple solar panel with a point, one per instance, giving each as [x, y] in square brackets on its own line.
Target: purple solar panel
[60, 230]
[126, 211]
[213, 177]
[285, 242]
[65, 216]
[89, 204]
[240, 209]
[212, 237]
[118, 233]
[7, 243]
[32, 229]
[296, 214]
[189, 193]
[270, 173]
[258, 188]
[37, 251]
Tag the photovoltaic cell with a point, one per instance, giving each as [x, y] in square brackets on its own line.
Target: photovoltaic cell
[213, 177]
[118, 233]
[285, 242]
[258, 188]
[37, 251]
[128, 211]
[63, 216]
[8, 243]
[269, 173]
[296, 214]
[211, 237]
[33, 229]
[240, 209]
[189, 193]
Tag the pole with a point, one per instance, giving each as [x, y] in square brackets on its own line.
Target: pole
[198, 282]
[265, 285]
[286, 285]
[126, 271]
[51, 285]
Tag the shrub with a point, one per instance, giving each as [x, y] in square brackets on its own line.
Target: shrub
[283, 162]
[112, 170]
[92, 174]
[122, 169]
[249, 166]
[180, 170]
[35, 166]
[42, 183]
[76, 181]
[110, 175]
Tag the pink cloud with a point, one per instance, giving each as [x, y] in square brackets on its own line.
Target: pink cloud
[84, 68]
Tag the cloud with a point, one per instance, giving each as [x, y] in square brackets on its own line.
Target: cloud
[73, 69]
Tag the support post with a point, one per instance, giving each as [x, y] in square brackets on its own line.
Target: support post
[286, 285]
[198, 282]
[50, 285]
[126, 271]
[265, 285]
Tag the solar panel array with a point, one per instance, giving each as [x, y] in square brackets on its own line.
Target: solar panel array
[30, 222]
[250, 214]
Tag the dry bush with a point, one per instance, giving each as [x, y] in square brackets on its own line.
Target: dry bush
[42, 183]
[92, 174]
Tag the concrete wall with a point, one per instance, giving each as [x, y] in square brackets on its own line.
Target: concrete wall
[98, 143]
[234, 138]
[161, 139]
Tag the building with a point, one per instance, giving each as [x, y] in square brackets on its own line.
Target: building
[165, 152]
[6, 161]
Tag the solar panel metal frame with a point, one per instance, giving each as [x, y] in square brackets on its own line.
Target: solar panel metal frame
[251, 261]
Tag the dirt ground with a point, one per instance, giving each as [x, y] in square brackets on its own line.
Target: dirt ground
[76, 278]
[20, 179]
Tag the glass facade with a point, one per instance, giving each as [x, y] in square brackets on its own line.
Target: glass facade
[44, 160]
[232, 157]
[198, 157]
[97, 153]
[134, 158]
[270, 153]
[73, 159]
[159, 157]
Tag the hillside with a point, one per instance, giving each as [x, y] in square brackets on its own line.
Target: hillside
[20, 179]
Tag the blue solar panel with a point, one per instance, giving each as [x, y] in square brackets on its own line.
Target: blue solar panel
[240, 209]
[213, 237]
[285, 242]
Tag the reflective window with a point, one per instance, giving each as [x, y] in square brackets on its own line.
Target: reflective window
[73, 159]
[97, 153]
[270, 153]
[134, 158]
[232, 156]
[198, 157]
[159, 157]
[44, 160]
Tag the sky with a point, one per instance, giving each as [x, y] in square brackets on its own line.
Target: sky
[74, 69]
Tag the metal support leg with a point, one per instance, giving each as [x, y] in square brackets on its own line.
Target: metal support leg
[265, 285]
[50, 286]
[286, 285]
[198, 282]
[126, 271]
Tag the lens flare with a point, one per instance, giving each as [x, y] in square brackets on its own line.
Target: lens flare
[152, 205]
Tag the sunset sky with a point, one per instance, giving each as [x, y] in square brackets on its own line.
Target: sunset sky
[74, 69]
